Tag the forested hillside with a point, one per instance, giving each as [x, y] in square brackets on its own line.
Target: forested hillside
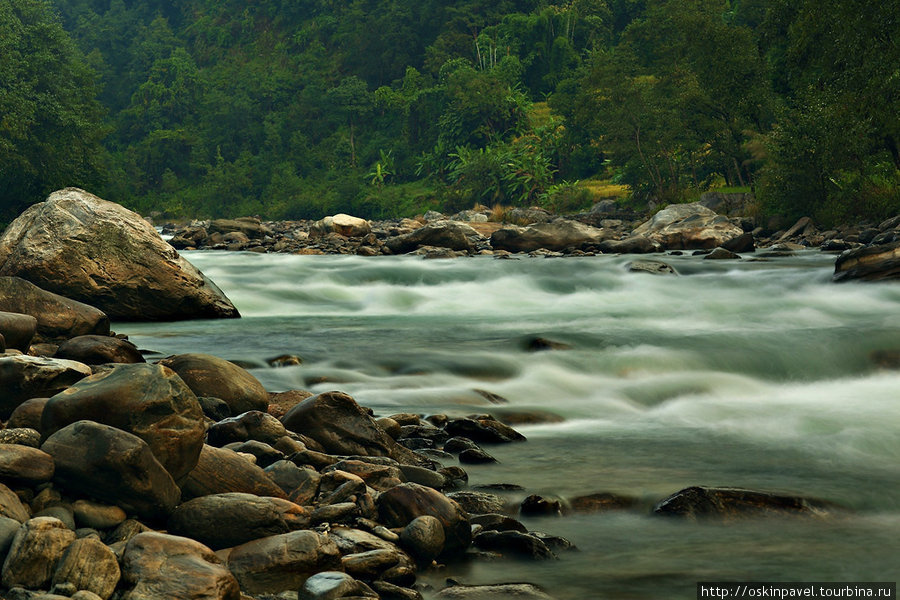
[381, 108]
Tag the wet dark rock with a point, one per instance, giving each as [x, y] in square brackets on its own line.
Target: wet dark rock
[538, 506]
[456, 477]
[251, 425]
[97, 516]
[601, 502]
[423, 538]
[836, 246]
[300, 483]
[743, 243]
[225, 520]
[498, 522]
[98, 350]
[475, 456]
[398, 506]
[519, 591]
[57, 317]
[208, 375]
[654, 267]
[157, 566]
[389, 591]
[342, 427]
[17, 330]
[220, 471]
[458, 444]
[478, 502]
[721, 254]
[214, 408]
[114, 466]
[146, 400]
[537, 344]
[26, 465]
[513, 543]
[491, 397]
[263, 454]
[423, 476]
[732, 503]
[869, 263]
[282, 562]
[416, 443]
[25, 377]
[483, 429]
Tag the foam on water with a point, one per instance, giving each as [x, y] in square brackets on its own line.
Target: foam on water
[753, 374]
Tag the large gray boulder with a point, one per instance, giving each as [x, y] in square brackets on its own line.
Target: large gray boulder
[689, 226]
[440, 234]
[57, 317]
[150, 401]
[341, 224]
[555, 235]
[86, 248]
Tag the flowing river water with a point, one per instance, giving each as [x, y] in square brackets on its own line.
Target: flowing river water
[755, 374]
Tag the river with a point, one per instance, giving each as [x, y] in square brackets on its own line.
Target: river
[753, 374]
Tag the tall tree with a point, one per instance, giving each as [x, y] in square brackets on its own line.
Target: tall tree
[50, 119]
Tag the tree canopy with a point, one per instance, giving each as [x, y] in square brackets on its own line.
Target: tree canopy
[292, 109]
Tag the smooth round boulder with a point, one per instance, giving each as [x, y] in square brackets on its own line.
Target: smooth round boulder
[28, 414]
[97, 516]
[25, 377]
[282, 562]
[251, 425]
[99, 350]
[17, 330]
[57, 317]
[514, 543]
[149, 401]
[478, 502]
[88, 564]
[226, 520]
[113, 466]
[158, 566]
[24, 464]
[34, 552]
[398, 507]
[209, 375]
[94, 251]
[423, 538]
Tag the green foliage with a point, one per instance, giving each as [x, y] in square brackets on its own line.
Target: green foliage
[50, 120]
[291, 109]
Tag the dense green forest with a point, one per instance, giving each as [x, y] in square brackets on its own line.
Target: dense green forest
[385, 108]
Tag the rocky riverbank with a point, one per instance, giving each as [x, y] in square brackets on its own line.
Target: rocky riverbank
[607, 229]
[185, 477]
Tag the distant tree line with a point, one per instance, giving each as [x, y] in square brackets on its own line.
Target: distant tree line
[384, 108]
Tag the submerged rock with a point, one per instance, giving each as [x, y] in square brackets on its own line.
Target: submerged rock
[501, 591]
[81, 246]
[734, 503]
